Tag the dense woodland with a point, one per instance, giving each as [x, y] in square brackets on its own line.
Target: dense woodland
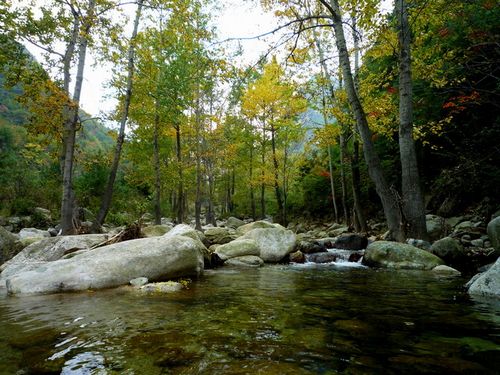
[355, 113]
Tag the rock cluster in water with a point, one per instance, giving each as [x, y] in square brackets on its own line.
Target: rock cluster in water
[68, 263]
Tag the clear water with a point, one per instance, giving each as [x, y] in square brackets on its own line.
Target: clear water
[274, 320]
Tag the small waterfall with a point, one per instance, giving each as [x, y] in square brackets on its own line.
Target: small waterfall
[337, 256]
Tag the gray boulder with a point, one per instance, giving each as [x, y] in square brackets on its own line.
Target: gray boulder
[233, 222]
[386, 254]
[493, 230]
[421, 244]
[245, 261]
[254, 225]
[351, 241]
[450, 250]
[188, 231]
[297, 257]
[9, 245]
[42, 214]
[155, 230]
[220, 235]
[48, 250]
[157, 259]
[334, 232]
[322, 257]
[33, 233]
[436, 227]
[445, 270]
[237, 248]
[310, 246]
[274, 243]
[488, 283]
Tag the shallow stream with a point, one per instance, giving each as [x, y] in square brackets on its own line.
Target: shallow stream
[322, 319]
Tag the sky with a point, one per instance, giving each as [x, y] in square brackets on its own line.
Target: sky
[237, 19]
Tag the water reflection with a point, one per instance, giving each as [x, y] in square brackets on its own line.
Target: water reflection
[278, 319]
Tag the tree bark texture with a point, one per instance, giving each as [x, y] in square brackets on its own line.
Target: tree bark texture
[180, 185]
[388, 198]
[413, 202]
[156, 159]
[67, 204]
[277, 189]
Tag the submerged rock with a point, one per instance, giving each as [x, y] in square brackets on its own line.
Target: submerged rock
[139, 281]
[488, 283]
[245, 261]
[445, 270]
[397, 255]
[158, 258]
[163, 287]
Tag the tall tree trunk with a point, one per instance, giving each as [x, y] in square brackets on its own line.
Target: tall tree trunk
[360, 220]
[326, 73]
[108, 192]
[180, 185]
[197, 203]
[388, 198]
[252, 195]
[156, 157]
[413, 202]
[332, 185]
[210, 217]
[343, 179]
[67, 204]
[285, 183]
[277, 189]
[263, 175]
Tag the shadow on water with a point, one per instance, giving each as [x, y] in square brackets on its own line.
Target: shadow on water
[273, 320]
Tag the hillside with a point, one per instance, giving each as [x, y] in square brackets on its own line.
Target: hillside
[94, 136]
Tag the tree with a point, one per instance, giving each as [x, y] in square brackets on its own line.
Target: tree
[413, 202]
[108, 192]
[275, 104]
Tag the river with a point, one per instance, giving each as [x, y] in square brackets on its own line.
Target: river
[322, 319]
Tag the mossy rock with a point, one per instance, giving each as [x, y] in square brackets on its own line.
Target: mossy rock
[387, 254]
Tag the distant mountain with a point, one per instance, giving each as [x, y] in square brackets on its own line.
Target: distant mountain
[93, 136]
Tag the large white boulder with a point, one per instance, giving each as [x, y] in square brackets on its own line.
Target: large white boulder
[488, 283]
[237, 248]
[273, 243]
[48, 250]
[157, 259]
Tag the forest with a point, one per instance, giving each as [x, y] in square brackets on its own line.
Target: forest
[358, 111]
